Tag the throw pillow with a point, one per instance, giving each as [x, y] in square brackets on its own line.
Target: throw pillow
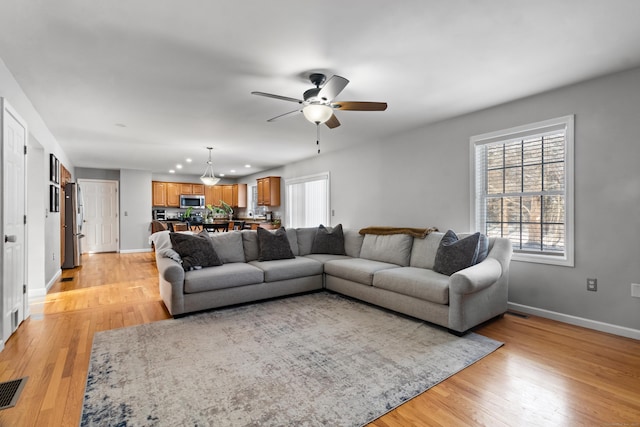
[273, 246]
[196, 251]
[454, 255]
[328, 242]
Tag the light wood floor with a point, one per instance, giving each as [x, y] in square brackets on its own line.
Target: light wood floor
[546, 374]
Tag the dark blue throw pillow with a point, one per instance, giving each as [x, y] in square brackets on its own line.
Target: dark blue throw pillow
[454, 255]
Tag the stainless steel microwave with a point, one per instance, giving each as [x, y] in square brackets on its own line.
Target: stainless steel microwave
[192, 201]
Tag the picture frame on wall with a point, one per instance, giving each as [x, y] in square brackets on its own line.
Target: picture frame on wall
[54, 198]
[53, 203]
[54, 169]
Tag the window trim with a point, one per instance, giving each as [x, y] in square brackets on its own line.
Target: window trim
[565, 123]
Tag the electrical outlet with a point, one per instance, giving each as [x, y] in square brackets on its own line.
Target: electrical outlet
[635, 290]
[592, 285]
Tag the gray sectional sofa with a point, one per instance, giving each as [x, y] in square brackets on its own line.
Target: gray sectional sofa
[391, 271]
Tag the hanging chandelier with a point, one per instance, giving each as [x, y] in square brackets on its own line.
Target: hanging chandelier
[208, 178]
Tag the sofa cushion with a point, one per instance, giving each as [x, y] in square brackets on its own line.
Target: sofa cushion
[328, 241]
[394, 248]
[250, 245]
[322, 258]
[352, 243]
[292, 236]
[414, 282]
[162, 244]
[457, 254]
[273, 245]
[284, 269]
[228, 246]
[225, 276]
[423, 253]
[195, 251]
[305, 239]
[356, 269]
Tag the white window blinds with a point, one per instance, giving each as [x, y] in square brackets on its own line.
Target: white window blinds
[307, 201]
[523, 189]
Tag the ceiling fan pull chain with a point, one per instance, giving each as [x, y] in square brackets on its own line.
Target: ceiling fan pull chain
[318, 136]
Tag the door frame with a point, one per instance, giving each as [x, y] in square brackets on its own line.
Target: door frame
[5, 106]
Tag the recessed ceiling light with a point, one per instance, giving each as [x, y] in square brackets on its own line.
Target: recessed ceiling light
[172, 171]
[188, 160]
[247, 166]
[178, 166]
[221, 174]
[232, 171]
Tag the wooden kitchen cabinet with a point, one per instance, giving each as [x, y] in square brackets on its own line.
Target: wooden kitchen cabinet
[240, 195]
[173, 194]
[227, 194]
[235, 195]
[192, 189]
[159, 193]
[213, 195]
[269, 191]
[167, 194]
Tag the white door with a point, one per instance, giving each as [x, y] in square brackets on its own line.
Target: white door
[14, 140]
[100, 226]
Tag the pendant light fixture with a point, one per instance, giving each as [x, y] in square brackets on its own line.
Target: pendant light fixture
[207, 177]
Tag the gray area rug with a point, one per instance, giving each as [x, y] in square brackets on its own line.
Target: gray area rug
[312, 360]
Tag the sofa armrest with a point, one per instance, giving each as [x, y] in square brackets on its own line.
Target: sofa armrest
[170, 270]
[476, 277]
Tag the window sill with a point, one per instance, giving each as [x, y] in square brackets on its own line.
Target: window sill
[543, 259]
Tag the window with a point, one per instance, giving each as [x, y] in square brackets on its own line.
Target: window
[307, 201]
[523, 189]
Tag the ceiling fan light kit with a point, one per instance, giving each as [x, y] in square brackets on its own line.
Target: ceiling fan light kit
[208, 178]
[317, 113]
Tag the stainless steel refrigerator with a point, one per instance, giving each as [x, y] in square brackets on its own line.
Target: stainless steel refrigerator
[73, 219]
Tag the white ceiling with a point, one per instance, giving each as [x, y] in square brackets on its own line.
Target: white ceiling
[178, 74]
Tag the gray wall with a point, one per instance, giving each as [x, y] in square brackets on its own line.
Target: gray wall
[421, 178]
[91, 173]
[135, 210]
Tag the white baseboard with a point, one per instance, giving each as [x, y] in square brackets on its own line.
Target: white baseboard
[134, 251]
[42, 292]
[578, 321]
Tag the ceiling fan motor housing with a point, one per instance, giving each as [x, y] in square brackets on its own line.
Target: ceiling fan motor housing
[317, 79]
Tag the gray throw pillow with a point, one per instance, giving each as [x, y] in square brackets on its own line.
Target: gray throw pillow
[454, 255]
[328, 242]
[196, 251]
[273, 246]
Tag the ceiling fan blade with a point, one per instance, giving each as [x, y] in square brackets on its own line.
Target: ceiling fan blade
[283, 98]
[332, 88]
[333, 122]
[282, 115]
[360, 106]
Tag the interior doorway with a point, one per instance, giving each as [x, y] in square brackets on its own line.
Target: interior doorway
[100, 226]
[14, 248]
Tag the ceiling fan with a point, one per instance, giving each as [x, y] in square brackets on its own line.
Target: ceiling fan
[318, 103]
